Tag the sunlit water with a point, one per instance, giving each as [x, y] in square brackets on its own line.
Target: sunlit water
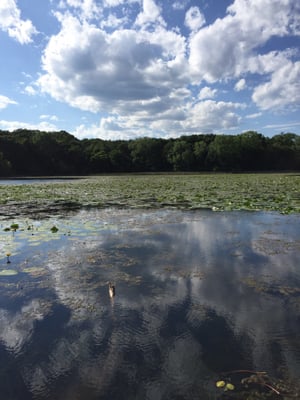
[197, 294]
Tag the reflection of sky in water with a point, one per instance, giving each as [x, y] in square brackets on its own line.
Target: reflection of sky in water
[197, 293]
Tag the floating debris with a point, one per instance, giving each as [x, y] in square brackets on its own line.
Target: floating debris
[111, 290]
[8, 255]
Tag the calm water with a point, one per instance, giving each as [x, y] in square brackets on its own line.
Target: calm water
[29, 181]
[198, 294]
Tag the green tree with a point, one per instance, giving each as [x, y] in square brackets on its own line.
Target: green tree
[224, 153]
[284, 151]
[5, 166]
[147, 154]
[180, 155]
[252, 151]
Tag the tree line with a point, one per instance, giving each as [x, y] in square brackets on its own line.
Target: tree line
[32, 153]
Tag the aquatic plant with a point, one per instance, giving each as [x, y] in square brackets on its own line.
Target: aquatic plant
[225, 385]
[257, 385]
[8, 255]
[8, 272]
[14, 227]
[218, 192]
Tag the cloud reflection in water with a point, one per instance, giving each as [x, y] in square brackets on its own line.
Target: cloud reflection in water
[184, 311]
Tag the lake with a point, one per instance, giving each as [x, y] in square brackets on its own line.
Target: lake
[29, 181]
[201, 298]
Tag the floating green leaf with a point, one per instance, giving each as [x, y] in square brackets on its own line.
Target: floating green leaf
[14, 227]
[196, 191]
[35, 271]
[8, 272]
[229, 386]
[220, 384]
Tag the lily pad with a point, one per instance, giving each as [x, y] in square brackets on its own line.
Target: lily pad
[229, 386]
[8, 272]
[35, 271]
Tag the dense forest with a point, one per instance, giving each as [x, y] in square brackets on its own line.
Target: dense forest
[26, 152]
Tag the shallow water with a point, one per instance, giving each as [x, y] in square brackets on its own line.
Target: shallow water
[198, 294]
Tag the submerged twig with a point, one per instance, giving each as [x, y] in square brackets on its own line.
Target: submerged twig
[245, 371]
[271, 387]
[257, 377]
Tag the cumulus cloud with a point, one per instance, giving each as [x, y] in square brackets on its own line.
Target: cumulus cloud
[211, 116]
[207, 93]
[151, 14]
[108, 128]
[13, 125]
[113, 22]
[283, 89]
[127, 63]
[222, 50]
[95, 70]
[240, 85]
[12, 23]
[5, 101]
[194, 19]
[85, 9]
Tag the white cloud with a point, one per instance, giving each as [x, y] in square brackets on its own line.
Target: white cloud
[125, 63]
[270, 17]
[194, 19]
[12, 23]
[222, 50]
[95, 71]
[283, 127]
[112, 128]
[240, 85]
[5, 101]
[207, 93]
[179, 5]
[202, 117]
[116, 3]
[13, 125]
[50, 117]
[211, 116]
[112, 21]
[282, 90]
[30, 90]
[86, 9]
[254, 116]
[151, 14]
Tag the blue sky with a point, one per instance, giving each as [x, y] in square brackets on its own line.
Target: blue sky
[117, 69]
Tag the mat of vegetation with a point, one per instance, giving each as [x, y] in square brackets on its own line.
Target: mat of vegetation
[219, 192]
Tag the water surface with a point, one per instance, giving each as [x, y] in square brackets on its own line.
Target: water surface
[198, 294]
[29, 181]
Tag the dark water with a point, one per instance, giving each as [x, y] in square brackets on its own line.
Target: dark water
[198, 295]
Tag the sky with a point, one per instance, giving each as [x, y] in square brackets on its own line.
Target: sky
[123, 69]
